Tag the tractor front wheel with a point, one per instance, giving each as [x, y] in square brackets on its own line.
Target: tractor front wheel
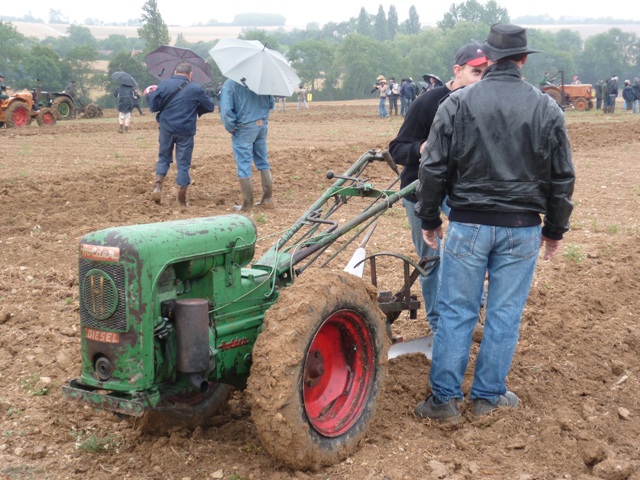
[63, 107]
[17, 114]
[318, 369]
[581, 104]
[45, 116]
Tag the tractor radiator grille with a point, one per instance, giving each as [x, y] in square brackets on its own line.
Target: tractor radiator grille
[102, 295]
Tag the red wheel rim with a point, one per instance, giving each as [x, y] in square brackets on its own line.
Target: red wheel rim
[47, 118]
[20, 117]
[338, 373]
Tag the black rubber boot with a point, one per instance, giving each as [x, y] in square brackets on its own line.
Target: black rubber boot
[267, 189]
[246, 187]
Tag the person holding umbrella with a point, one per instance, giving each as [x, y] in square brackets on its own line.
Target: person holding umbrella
[255, 75]
[178, 102]
[124, 93]
[245, 116]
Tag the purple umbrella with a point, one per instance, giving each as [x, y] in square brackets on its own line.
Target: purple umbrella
[163, 61]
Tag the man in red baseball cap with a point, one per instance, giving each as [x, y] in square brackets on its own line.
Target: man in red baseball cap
[406, 150]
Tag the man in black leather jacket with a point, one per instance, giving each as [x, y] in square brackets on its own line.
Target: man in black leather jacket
[499, 149]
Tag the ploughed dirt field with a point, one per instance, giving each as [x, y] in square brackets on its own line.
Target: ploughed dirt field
[576, 368]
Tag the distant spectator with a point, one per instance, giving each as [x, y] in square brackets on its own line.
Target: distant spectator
[636, 90]
[3, 89]
[408, 93]
[381, 87]
[612, 92]
[629, 96]
[605, 96]
[403, 100]
[302, 97]
[136, 101]
[126, 103]
[598, 88]
[392, 94]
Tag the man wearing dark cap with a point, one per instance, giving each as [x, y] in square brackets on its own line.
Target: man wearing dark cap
[407, 147]
[499, 149]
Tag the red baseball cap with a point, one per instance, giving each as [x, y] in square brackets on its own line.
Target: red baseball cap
[470, 54]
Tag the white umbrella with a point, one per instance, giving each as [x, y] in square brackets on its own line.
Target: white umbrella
[262, 70]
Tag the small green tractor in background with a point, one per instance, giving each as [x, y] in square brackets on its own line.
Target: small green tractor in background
[64, 105]
[175, 315]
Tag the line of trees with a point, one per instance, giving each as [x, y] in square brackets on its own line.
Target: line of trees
[337, 61]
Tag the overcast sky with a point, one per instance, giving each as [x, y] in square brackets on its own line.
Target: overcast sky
[189, 12]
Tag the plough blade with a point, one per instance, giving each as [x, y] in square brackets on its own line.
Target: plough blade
[422, 345]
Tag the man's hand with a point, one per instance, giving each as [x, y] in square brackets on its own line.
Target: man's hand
[429, 237]
[551, 247]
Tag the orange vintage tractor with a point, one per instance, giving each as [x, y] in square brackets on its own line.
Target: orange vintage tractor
[18, 111]
[579, 97]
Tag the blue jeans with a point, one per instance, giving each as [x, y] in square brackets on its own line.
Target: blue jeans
[429, 282]
[409, 102]
[249, 145]
[183, 145]
[403, 105]
[382, 109]
[510, 256]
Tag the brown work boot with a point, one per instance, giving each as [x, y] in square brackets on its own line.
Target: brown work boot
[121, 129]
[157, 189]
[267, 190]
[246, 187]
[182, 197]
[126, 129]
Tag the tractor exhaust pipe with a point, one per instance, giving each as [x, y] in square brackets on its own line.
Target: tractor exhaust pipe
[192, 334]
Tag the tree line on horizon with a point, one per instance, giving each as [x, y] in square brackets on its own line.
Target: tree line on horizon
[339, 61]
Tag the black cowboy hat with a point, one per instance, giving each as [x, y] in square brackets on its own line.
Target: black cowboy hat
[505, 40]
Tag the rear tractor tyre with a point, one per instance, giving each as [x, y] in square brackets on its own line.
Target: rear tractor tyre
[581, 104]
[17, 114]
[189, 411]
[556, 95]
[63, 107]
[318, 370]
[46, 117]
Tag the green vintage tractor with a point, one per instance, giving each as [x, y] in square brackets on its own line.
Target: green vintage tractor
[175, 315]
[64, 105]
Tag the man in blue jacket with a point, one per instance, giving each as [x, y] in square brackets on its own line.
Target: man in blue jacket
[245, 115]
[178, 103]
